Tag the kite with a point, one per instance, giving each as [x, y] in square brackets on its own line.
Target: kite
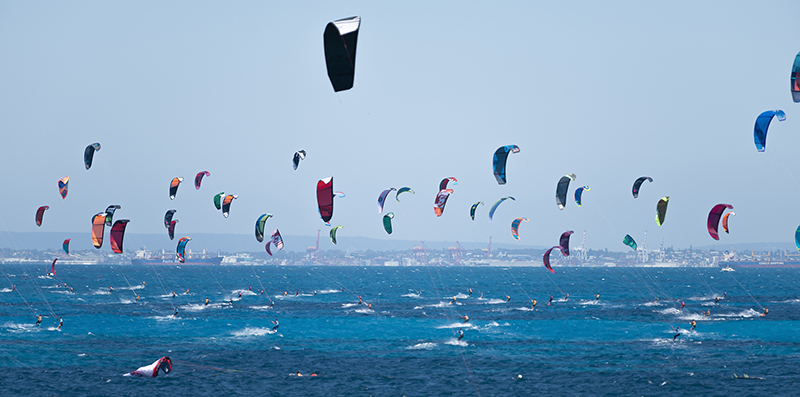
[260, 222]
[276, 240]
[40, 214]
[499, 162]
[628, 240]
[515, 227]
[173, 186]
[63, 186]
[561, 190]
[163, 364]
[65, 246]
[382, 198]
[98, 228]
[340, 40]
[445, 181]
[226, 204]
[180, 251]
[53, 269]
[795, 81]
[441, 201]
[387, 222]
[579, 193]
[546, 258]
[110, 213]
[661, 210]
[116, 234]
[333, 233]
[563, 242]
[725, 221]
[88, 154]
[199, 179]
[298, 155]
[171, 229]
[325, 199]
[402, 190]
[473, 208]
[218, 200]
[497, 204]
[762, 125]
[168, 217]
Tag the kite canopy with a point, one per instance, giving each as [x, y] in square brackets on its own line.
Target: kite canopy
[117, 234]
[441, 201]
[713, 219]
[402, 190]
[40, 214]
[260, 222]
[333, 233]
[797, 238]
[180, 251]
[218, 200]
[53, 267]
[628, 240]
[795, 80]
[163, 364]
[226, 204]
[298, 155]
[88, 154]
[199, 178]
[473, 208]
[98, 228]
[171, 229]
[561, 190]
[546, 258]
[497, 204]
[579, 194]
[563, 242]
[275, 239]
[762, 125]
[499, 162]
[725, 221]
[340, 39]
[110, 213]
[382, 198]
[63, 186]
[387, 222]
[65, 246]
[515, 227]
[325, 199]
[661, 210]
[173, 186]
[638, 183]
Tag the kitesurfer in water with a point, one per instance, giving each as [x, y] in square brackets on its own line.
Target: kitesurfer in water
[465, 317]
[60, 323]
[137, 297]
[470, 292]
[369, 305]
[314, 293]
[275, 328]
[13, 288]
[716, 302]
[206, 301]
[533, 306]
[360, 301]
[766, 311]
[110, 289]
[677, 333]
[176, 313]
[694, 324]
[38, 320]
[460, 333]
[566, 297]
[682, 305]
[597, 298]
[724, 294]
[707, 313]
[296, 293]
[508, 298]
[481, 297]
[187, 291]
[173, 294]
[240, 294]
[550, 301]
[453, 300]
[284, 293]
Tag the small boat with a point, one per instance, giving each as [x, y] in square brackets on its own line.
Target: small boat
[727, 269]
[745, 376]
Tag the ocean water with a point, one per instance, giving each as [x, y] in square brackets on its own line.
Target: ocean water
[406, 344]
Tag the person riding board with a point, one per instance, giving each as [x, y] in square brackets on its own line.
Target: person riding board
[550, 301]
[508, 298]
[682, 305]
[38, 320]
[533, 306]
[275, 328]
[766, 311]
[60, 323]
[466, 318]
[677, 333]
[694, 324]
[460, 333]
[470, 291]
[716, 302]
[206, 301]
[597, 298]
[566, 297]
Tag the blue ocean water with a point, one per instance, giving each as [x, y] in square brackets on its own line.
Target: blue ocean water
[406, 343]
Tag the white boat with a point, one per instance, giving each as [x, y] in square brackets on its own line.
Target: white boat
[727, 269]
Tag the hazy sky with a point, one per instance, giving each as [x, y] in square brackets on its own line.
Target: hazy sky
[608, 90]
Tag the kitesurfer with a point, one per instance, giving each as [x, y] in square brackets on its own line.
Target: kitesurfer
[707, 313]
[298, 373]
[677, 333]
[187, 291]
[262, 292]
[110, 289]
[13, 288]
[284, 293]
[176, 313]
[508, 298]
[481, 297]
[360, 301]
[137, 297]
[173, 294]
[533, 306]
[314, 293]
[550, 301]
[460, 333]
[566, 297]
[694, 324]
[465, 317]
[38, 320]
[206, 301]
[60, 323]
[275, 328]
[250, 288]
[240, 294]
[452, 300]
[369, 305]
[724, 294]
[766, 311]
[682, 305]
[470, 292]
[230, 301]
[296, 293]
[597, 298]
[716, 302]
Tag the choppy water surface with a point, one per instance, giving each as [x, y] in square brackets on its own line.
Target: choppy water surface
[406, 343]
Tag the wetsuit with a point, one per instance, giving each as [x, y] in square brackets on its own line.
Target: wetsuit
[275, 328]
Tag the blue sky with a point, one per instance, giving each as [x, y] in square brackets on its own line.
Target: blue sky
[609, 91]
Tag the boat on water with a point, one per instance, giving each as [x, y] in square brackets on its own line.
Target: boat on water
[727, 269]
[144, 257]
